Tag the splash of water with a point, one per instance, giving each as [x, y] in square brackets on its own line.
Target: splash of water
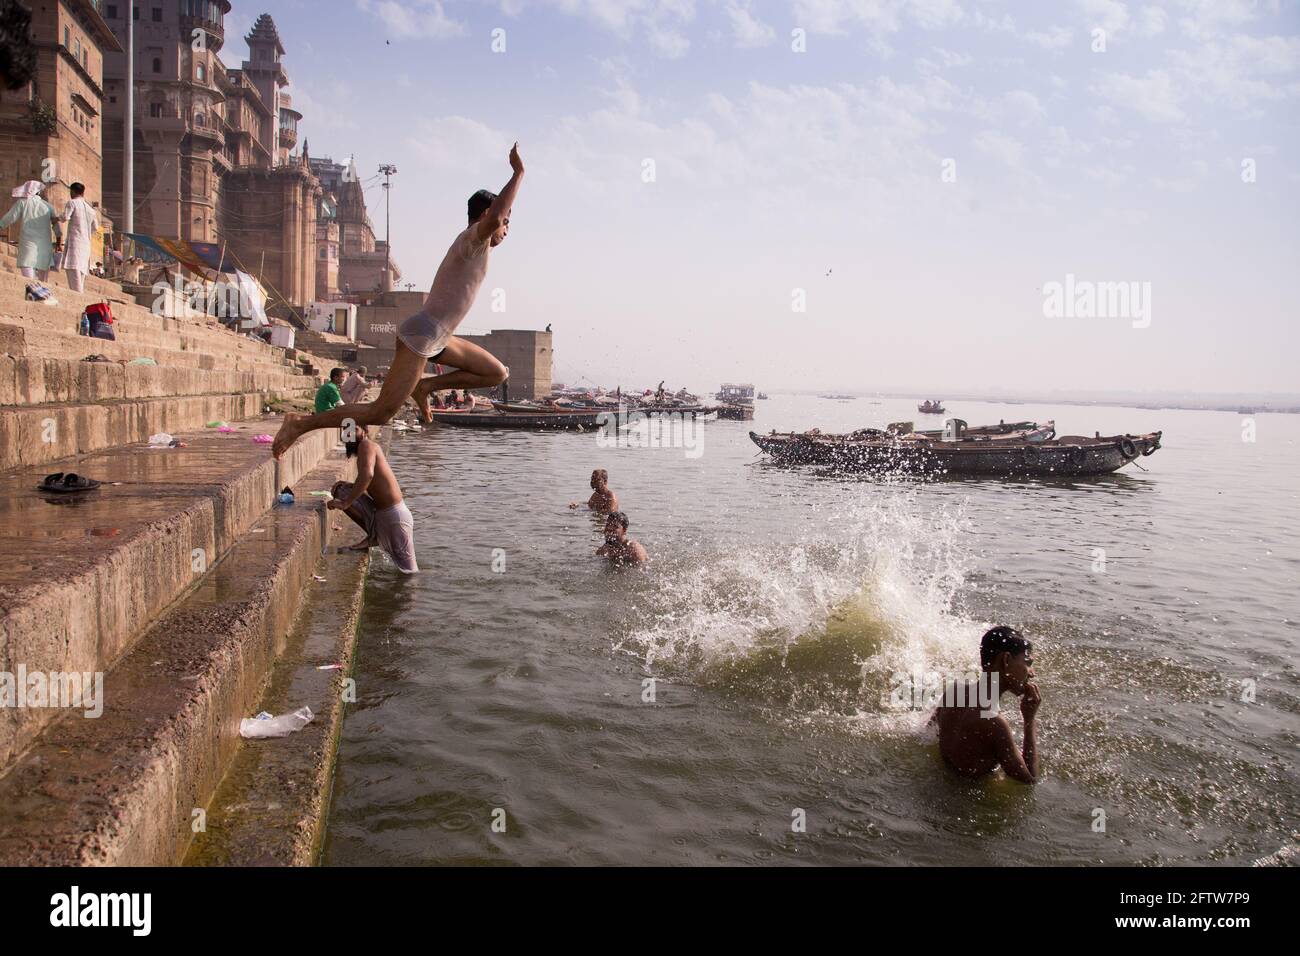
[821, 623]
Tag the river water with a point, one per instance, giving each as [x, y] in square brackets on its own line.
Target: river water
[735, 702]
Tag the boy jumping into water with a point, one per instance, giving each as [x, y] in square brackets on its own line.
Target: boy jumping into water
[975, 742]
[428, 333]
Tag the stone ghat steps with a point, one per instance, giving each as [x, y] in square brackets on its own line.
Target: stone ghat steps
[36, 435]
[57, 280]
[126, 311]
[189, 337]
[39, 381]
[123, 788]
[82, 576]
[20, 336]
[139, 325]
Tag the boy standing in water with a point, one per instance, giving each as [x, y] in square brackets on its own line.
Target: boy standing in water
[974, 741]
[602, 500]
[374, 502]
[618, 547]
[428, 333]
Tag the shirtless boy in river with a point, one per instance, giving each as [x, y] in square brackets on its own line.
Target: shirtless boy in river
[974, 741]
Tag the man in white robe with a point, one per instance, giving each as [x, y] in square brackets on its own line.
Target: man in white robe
[39, 223]
[83, 223]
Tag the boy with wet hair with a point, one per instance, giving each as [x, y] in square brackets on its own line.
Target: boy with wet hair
[618, 547]
[974, 741]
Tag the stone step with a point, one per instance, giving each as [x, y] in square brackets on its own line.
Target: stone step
[122, 789]
[271, 806]
[188, 337]
[35, 380]
[94, 285]
[45, 340]
[39, 434]
[130, 315]
[125, 308]
[84, 576]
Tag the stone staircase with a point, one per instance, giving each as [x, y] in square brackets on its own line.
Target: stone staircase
[332, 348]
[179, 580]
[203, 372]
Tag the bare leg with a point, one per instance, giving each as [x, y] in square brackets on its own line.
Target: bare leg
[476, 367]
[401, 380]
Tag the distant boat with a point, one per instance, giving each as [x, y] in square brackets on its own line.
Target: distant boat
[839, 398]
[762, 395]
[930, 408]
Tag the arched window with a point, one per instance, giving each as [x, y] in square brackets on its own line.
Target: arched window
[157, 64]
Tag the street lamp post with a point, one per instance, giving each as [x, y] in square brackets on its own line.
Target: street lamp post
[388, 169]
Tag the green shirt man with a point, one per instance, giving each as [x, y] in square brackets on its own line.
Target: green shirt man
[328, 395]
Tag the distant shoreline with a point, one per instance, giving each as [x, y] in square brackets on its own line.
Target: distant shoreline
[1237, 407]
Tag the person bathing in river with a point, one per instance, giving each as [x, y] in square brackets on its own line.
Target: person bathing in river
[374, 502]
[975, 741]
[429, 333]
[602, 500]
[618, 547]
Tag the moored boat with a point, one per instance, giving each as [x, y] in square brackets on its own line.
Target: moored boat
[930, 408]
[872, 450]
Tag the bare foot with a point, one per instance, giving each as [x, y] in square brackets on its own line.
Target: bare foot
[421, 397]
[290, 430]
[365, 545]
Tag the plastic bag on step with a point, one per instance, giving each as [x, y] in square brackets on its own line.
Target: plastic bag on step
[264, 725]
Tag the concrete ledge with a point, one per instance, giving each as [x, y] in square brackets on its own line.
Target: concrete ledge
[271, 807]
[121, 789]
[39, 434]
[34, 380]
[82, 578]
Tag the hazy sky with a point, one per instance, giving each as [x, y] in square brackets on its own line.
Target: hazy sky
[944, 161]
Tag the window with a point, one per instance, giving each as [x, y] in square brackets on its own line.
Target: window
[157, 15]
[76, 49]
[112, 11]
[135, 13]
[67, 37]
[203, 73]
[155, 110]
[157, 64]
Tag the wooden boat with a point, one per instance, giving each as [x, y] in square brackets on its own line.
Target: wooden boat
[871, 450]
[930, 408]
[736, 413]
[537, 419]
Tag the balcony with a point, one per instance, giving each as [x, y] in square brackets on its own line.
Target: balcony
[216, 33]
[289, 136]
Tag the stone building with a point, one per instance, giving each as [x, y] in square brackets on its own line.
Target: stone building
[270, 198]
[361, 258]
[180, 149]
[52, 129]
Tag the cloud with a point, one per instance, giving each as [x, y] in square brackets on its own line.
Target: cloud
[1053, 38]
[413, 19]
[1005, 148]
[747, 30]
[1153, 96]
[877, 16]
